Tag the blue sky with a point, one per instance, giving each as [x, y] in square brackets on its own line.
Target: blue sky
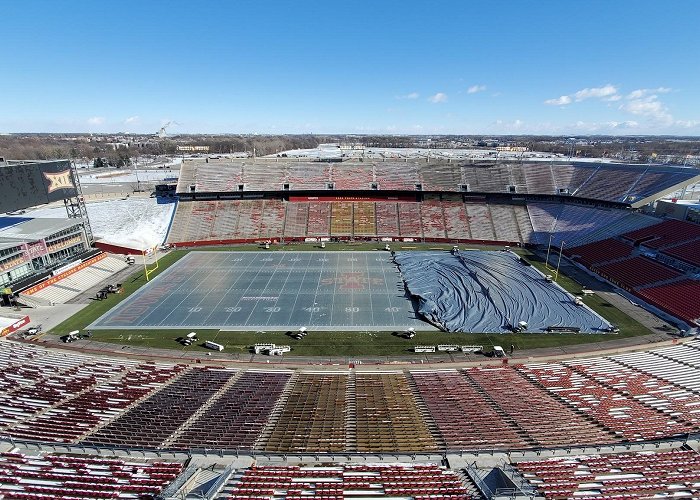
[462, 67]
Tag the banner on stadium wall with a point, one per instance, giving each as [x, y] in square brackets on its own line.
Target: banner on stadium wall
[406, 197]
[65, 274]
[14, 326]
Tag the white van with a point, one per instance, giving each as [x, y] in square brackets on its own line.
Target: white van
[213, 345]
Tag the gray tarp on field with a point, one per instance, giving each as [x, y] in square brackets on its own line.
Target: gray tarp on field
[478, 291]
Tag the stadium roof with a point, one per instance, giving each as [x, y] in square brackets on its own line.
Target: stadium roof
[36, 229]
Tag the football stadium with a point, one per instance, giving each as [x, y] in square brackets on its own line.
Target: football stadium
[243, 359]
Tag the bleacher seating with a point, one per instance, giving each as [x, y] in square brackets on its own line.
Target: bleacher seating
[627, 417]
[504, 223]
[665, 474]
[387, 417]
[296, 220]
[77, 283]
[539, 178]
[432, 218]
[319, 219]
[480, 223]
[236, 419]
[419, 481]
[313, 418]
[53, 476]
[599, 252]
[409, 220]
[665, 234]
[156, 418]
[55, 397]
[628, 222]
[654, 392]
[572, 177]
[82, 412]
[456, 221]
[387, 219]
[543, 419]
[364, 219]
[635, 272]
[681, 373]
[679, 298]
[609, 184]
[466, 418]
[272, 223]
[341, 219]
[687, 252]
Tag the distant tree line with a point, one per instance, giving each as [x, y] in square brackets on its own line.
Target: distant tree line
[90, 148]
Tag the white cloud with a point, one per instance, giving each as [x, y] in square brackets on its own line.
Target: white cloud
[96, 120]
[559, 101]
[639, 93]
[648, 106]
[476, 88]
[688, 123]
[612, 98]
[132, 119]
[595, 92]
[412, 95]
[438, 98]
[623, 125]
[606, 93]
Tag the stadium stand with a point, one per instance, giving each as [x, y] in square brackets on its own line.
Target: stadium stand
[626, 417]
[25, 477]
[504, 223]
[651, 391]
[539, 178]
[628, 222]
[364, 219]
[609, 184]
[466, 417]
[432, 218]
[77, 283]
[667, 474]
[480, 223]
[387, 416]
[296, 219]
[387, 219]
[52, 397]
[319, 219]
[688, 252]
[341, 219]
[155, 419]
[420, 482]
[665, 234]
[81, 412]
[679, 299]
[409, 220]
[456, 221]
[599, 252]
[545, 420]
[238, 416]
[313, 418]
[395, 176]
[635, 272]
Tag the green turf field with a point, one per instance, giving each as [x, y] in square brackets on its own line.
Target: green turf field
[343, 343]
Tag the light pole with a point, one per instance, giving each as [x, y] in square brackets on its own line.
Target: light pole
[561, 249]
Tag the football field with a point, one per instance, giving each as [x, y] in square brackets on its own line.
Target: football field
[276, 291]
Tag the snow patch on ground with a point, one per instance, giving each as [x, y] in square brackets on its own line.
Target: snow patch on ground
[138, 223]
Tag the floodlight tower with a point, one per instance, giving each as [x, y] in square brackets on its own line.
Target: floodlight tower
[75, 206]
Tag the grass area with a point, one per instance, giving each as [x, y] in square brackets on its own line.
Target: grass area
[323, 343]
